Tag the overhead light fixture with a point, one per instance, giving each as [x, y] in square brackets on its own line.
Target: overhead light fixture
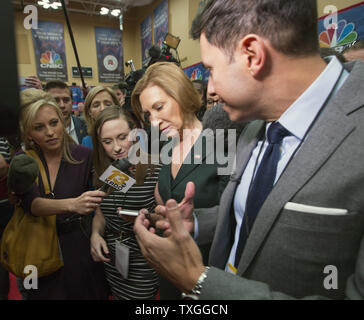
[55, 5]
[116, 12]
[46, 4]
[104, 11]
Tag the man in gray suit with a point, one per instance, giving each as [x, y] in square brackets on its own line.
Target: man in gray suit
[306, 237]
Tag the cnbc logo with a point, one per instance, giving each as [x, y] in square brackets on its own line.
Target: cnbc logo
[51, 60]
[338, 34]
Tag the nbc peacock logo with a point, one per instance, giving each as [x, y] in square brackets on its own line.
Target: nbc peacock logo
[196, 75]
[51, 60]
[340, 34]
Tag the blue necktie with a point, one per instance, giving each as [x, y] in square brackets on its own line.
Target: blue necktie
[262, 184]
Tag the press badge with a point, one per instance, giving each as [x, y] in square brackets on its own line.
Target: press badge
[122, 258]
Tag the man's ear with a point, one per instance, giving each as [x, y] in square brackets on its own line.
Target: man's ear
[254, 52]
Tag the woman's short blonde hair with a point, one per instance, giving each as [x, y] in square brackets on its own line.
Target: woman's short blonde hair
[32, 100]
[174, 82]
[90, 97]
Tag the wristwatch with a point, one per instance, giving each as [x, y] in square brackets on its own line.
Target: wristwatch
[195, 293]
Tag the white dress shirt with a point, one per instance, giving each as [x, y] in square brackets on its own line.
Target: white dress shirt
[72, 131]
[297, 119]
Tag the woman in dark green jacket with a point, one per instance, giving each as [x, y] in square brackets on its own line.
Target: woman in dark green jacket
[168, 99]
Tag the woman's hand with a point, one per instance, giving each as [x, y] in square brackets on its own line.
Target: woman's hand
[87, 202]
[98, 247]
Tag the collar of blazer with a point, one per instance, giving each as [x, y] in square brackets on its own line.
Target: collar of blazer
[322, 141]
[197, 155]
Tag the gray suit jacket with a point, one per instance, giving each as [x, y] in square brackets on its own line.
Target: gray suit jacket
[287, 251]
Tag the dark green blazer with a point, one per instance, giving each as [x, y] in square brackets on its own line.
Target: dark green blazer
[196, 168]
[208, 189]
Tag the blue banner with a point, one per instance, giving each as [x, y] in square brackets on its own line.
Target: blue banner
[197, 72]
[341, 29]
[160, 23]
[110, 60]
[77, 96]
[49, 49]
[146, 37]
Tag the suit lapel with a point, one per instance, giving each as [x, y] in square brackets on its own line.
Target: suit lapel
[221, 245]
[325, 137]
[198, 153]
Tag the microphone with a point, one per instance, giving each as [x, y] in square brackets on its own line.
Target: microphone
[23, 172]
[110, 176]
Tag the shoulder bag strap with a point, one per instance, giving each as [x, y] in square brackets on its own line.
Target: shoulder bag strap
[34, 155]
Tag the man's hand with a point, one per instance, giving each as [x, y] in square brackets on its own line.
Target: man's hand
[186, 208]
[34, 82]
[176, 257]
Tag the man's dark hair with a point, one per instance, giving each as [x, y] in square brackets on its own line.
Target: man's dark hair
[57, 84]
[122, 86]
[289, 25]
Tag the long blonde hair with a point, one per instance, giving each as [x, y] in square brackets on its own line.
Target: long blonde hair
[90, 97]
[31, 101]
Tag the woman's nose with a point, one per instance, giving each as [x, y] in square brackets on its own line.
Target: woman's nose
[154, 120]
[50, 131]
[117, 147]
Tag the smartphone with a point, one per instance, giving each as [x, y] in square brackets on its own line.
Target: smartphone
[128, 212]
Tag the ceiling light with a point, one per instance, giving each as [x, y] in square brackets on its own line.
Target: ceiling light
[54, 5]
[104, 11]
[116, 12]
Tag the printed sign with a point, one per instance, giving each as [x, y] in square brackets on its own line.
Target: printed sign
[146, 36]
[341, 29]
[197, 72]
[117, 179]
[160, 23]
[109, 54]
[49, 49]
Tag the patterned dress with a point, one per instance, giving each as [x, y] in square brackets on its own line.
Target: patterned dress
[142, 282]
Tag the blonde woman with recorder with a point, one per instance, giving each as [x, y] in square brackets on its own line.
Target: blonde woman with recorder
[68, 169]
